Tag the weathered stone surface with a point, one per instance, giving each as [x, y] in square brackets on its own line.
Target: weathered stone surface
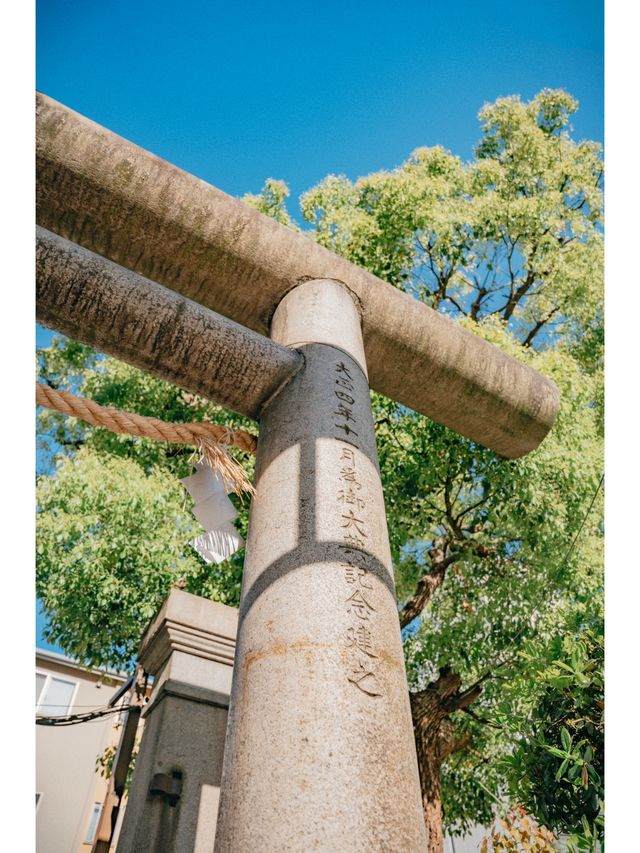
[97, 302]
[313, 308]
[320, 753]
[189, 649]
[116, 199]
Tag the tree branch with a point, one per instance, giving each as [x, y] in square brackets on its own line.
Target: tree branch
[482, 500]
[518, 295]
[529, 339]
[480, 719]
[426, 586]
[477, 303]
[455, 527]
[459, 701]
[457, 745]
[450, 298]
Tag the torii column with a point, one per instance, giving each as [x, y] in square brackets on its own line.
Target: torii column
[320, 753]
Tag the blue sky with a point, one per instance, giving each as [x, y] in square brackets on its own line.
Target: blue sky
[237, 92]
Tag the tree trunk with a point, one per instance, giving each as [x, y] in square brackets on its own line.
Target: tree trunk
[429, 767]
[435, 740]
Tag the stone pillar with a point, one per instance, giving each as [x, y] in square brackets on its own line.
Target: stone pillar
[173, 802]
[320, 753]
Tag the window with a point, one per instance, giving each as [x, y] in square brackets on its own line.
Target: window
[40, 680]
[93, 823]
[54, 695]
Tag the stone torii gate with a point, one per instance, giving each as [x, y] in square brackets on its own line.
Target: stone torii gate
[162, 270]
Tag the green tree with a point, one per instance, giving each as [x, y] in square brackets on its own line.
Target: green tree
[113, 520]
[510, 245]
[557, 766]
[496, 560]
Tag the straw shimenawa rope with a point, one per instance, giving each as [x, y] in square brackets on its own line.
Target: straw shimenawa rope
[211, 440]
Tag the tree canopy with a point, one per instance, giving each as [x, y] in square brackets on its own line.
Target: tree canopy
[498, 563]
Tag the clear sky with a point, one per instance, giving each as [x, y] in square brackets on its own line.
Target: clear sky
[237, 92]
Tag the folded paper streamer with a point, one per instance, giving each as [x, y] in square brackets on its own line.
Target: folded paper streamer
[203, 483]
[216, 545]
[215, 512]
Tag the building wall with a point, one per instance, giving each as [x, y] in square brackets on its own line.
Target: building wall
[66, 776]
[468, 844]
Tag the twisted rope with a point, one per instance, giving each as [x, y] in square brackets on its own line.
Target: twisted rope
[206, 437]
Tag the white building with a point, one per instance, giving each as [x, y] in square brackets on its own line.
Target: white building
[69, 789]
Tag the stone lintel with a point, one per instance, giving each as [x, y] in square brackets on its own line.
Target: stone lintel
[124, 203]
[117, 311]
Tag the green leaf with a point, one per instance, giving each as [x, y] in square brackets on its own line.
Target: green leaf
[562, 769]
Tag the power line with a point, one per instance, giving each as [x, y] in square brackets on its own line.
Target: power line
[93, 705]
[74, 719]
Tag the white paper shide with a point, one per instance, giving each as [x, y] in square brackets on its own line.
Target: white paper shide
[215, 512]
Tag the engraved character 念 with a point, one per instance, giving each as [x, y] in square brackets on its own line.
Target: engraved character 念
[359, 605]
